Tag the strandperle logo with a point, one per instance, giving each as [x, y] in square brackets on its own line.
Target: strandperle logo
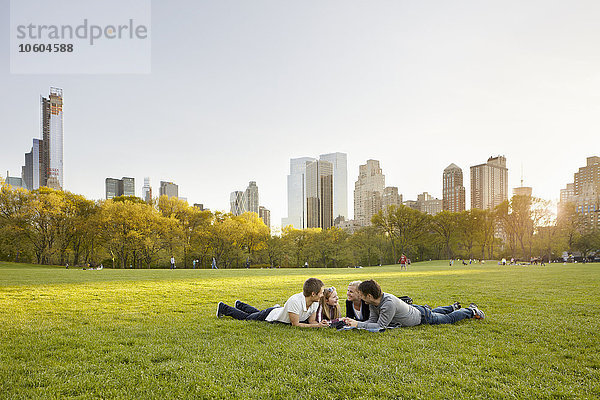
[85, 30]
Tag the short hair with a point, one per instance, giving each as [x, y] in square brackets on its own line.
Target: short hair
[370, 287]
[354, 283]
[312, 285]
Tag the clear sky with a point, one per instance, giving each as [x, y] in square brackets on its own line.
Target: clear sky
[239, 87]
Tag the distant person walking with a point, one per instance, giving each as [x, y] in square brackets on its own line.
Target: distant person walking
[213, 265]
[172, 262]
[403, 262]
[247, 262]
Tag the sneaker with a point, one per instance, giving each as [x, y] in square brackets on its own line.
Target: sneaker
[220, 309]
[236, 304]
[477, 313]
[456, 306]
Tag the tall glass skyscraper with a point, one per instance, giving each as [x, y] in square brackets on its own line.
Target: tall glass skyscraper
[52, 135]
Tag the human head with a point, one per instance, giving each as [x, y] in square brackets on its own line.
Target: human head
[330, 304]
[312, 286]
[330, 296]
[352, 293]
[370, 288]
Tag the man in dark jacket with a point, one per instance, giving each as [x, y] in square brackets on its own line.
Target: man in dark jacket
[356, 308]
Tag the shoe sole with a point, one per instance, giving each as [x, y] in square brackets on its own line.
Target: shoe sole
[218, 309]
[236, 304]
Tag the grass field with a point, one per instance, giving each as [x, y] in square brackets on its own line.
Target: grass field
[153, 334]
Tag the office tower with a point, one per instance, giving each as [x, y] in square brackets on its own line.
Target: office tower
[296, 193]
[147, 190]
[32, 171]
[453, 193]
[429, 204]
[119, 187]
[169, 189]
[199, 206]
[265, 215]
[489, 183]
[586, 185]
[368, 191]
[567, 194]
[52, 135]
[252, 197]
[390, 197]
[111, 188]
[319, 194]
[340, 182]
[237, 201]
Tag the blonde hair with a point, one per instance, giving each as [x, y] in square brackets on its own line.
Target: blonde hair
[329, 312]
[354, 283]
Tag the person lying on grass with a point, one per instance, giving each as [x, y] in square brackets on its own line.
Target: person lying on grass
[329, 306]
[388, 311]
[299, 310]
[356, 308]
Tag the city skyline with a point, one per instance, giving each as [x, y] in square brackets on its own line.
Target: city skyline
[416, 89]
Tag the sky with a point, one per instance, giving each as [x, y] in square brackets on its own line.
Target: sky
[239, 87]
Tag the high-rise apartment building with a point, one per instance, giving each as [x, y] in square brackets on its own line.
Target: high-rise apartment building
[119, 187]
[390, 197]
[296, 193]
[489, 183]
[340, 182]
[265, 215]
[169, 189]
[252, 202]
[586, 188]
[319, 194]
[44, 163]
[453, 193]
[52, 135]
[147, 191]
[368, 191]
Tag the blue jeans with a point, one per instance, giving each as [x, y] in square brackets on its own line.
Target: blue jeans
[246, 312]
[443, 315]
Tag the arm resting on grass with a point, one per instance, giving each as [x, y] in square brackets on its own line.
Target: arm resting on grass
[312, 321]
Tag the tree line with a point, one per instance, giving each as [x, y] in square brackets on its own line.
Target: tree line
[47, 226]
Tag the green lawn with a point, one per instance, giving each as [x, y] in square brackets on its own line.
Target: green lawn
[154, 334]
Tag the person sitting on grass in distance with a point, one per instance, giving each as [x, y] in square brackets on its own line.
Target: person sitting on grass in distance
[299, 310]
[388, 311]
[356, 308]
[329, 306]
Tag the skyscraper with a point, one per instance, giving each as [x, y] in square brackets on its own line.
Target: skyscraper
[52, 135]
[586, 185]
[296, 193]
[111, 186]
[453, 193]
[319, 194]
[119, 187]
[489, 183]
[32, 171]
[265, 215]
[252, 197]
[237, 202]
[169, 189]
[340, 182]
[368, 191]
[147, 190]
[390, 197]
